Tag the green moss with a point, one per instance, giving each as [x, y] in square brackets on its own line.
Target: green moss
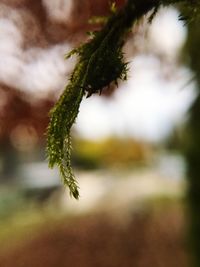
[100, 62]
[93, 71]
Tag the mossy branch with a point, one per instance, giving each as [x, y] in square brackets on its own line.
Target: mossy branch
[100, 62]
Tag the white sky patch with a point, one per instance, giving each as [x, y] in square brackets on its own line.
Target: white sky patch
[167, 35]
[45, 70]
[10, 36]
[94, 119]
[59, 10]
[11, 40]
[146, 107]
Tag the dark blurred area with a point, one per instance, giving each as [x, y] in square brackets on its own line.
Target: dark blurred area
[133, 192]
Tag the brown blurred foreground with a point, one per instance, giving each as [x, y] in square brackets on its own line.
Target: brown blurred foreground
[145, 240]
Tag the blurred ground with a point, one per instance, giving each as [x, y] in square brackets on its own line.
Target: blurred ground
[149, 238]
[123, 218]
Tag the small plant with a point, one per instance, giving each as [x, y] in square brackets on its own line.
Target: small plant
[94, 72]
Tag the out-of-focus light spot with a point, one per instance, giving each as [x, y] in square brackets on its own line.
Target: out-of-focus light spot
[58, 10]
[10, 36]
[95, 119]
[24, 137]
[44, 70]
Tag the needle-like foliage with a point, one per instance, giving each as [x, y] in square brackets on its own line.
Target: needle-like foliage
[100, 62]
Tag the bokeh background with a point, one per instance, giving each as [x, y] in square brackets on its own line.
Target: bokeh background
[128, 143]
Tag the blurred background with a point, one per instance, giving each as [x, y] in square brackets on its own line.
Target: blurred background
[131, 152]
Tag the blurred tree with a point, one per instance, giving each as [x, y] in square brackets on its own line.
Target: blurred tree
[22, 123]
[193, 144]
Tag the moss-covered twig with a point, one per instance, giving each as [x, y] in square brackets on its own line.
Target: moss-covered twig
[100, 62]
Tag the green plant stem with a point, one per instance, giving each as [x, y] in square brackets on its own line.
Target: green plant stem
[100, 62]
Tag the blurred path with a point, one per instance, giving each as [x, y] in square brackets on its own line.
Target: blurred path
[108, 191]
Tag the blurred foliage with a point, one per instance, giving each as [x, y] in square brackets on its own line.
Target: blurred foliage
[192, 150]
[112, 152]
[21, 117]
[11, 202]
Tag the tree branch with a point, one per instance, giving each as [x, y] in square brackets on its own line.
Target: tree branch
[100, 62]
